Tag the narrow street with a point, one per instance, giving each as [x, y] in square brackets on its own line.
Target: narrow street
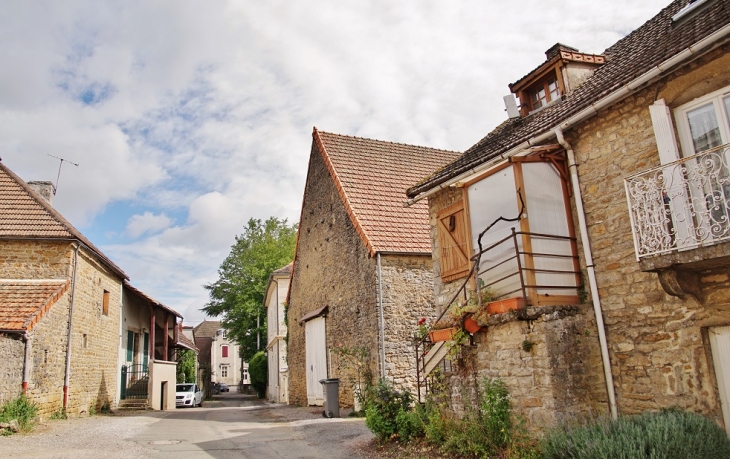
[231, 426]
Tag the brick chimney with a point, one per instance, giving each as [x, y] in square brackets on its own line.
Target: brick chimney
[45, 189]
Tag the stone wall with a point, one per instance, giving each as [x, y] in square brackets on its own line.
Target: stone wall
[407, 298]
[95, 337]
[332, 268]
[12, 349]
[658, 343]
[35, 259]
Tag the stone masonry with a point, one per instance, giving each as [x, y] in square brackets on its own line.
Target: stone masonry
[334, 268]
[95, 336]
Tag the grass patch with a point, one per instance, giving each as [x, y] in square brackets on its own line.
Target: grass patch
[20, 409]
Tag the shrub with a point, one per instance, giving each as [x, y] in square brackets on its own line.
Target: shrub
[410, 424]
[383, 405]
[21, 409]
[667, 434]
[258, 372]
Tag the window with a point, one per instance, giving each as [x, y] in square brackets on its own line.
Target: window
[703, 123]
[105, 304]
[224, 351]
[225, 333]
[224, 371]
[544, 92]
[453, 238]
[244, 375]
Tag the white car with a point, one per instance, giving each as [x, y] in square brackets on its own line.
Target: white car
[188, 394]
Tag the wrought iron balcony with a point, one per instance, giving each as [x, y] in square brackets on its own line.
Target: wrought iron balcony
[681, 205]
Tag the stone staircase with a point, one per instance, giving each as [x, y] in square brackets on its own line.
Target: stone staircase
[131, 404]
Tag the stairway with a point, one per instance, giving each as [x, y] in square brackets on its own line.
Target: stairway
[133, 404]
[434, 357]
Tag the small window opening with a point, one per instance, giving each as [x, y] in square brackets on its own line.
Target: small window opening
[105, 304]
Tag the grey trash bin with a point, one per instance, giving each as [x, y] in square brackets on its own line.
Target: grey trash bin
[331, 387]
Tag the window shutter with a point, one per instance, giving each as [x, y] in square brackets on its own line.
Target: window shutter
[146, 349]
[666, 141]
[130, 345]
[224, 351]
[453, 238]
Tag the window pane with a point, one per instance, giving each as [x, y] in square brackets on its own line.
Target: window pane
[553, 88]
[726, 100]
[704, 128]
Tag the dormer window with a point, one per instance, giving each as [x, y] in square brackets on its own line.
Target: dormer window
[545, 92]
[562, 73]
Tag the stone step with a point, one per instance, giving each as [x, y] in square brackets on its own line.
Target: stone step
[133, 404]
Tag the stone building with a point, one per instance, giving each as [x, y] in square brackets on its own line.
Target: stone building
[60, 304]
[362, 274]
[219, 355]
[616, 166]
[276, 289]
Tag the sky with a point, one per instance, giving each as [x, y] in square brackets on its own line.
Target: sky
[188, 118]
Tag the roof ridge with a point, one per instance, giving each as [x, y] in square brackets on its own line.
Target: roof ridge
[61, 220]
[410, 145]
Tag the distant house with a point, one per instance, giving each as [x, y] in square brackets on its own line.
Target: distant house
[219, 355]
[149, 370]
[362, 274]
[276, 291]
[602, 205]
[60, 306]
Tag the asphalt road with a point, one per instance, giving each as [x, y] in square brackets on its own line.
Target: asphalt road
[232, 426]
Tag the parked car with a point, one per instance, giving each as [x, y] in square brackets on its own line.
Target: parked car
[224, 387]
[188, 394]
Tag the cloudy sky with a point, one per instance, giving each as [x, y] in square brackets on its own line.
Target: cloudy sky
[187, 118]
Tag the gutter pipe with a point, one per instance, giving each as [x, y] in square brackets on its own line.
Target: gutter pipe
[589, 111]
[381, 317]
[67, 376]
[598, 312]
[26, 361]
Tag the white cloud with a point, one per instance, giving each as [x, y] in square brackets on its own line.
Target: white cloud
[207, 112]
[148, 222]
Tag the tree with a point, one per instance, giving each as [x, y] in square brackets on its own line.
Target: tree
[186, 366]
[238, 294]
[258, 371]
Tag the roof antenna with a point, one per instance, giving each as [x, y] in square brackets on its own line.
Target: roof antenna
[55, 188]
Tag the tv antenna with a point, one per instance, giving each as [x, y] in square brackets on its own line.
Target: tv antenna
[55, 188]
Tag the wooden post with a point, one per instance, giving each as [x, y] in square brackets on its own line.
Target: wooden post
[165, 332]
[152, 332]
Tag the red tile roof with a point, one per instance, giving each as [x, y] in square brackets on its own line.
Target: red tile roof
[658, 40]
[24, 214]
[23, 302]
[150, 300]
[371, 177]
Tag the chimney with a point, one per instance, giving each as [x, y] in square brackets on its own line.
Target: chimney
[556, 48]
[45, 189]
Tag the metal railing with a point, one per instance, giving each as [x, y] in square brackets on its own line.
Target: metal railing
[513, 263]
[681, 205]
[135, 380]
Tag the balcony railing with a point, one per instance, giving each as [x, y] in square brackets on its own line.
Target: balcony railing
[681, 205]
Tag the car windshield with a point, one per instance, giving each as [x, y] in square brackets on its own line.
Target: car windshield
[184, 387]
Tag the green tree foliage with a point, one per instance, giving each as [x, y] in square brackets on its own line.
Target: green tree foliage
[258, 370]
[185, 366]
[238, 294]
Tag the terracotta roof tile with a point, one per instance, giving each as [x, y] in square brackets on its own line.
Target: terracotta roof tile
[23, 302]
[185, 342]
[25, 214]
[372, 176]
[646, 47]
[150, 300]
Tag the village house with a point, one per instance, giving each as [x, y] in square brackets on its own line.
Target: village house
[362, 274]
[276, 289]
[149, 372]
[60, 305]
[218, 355]
[602, 206]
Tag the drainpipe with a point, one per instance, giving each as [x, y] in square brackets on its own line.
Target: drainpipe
[67, 376]
[26, 361]
[591, 272]
[382, 318]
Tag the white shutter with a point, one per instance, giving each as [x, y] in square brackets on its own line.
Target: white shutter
[720, 345]
[316, 359]
[666, 141]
